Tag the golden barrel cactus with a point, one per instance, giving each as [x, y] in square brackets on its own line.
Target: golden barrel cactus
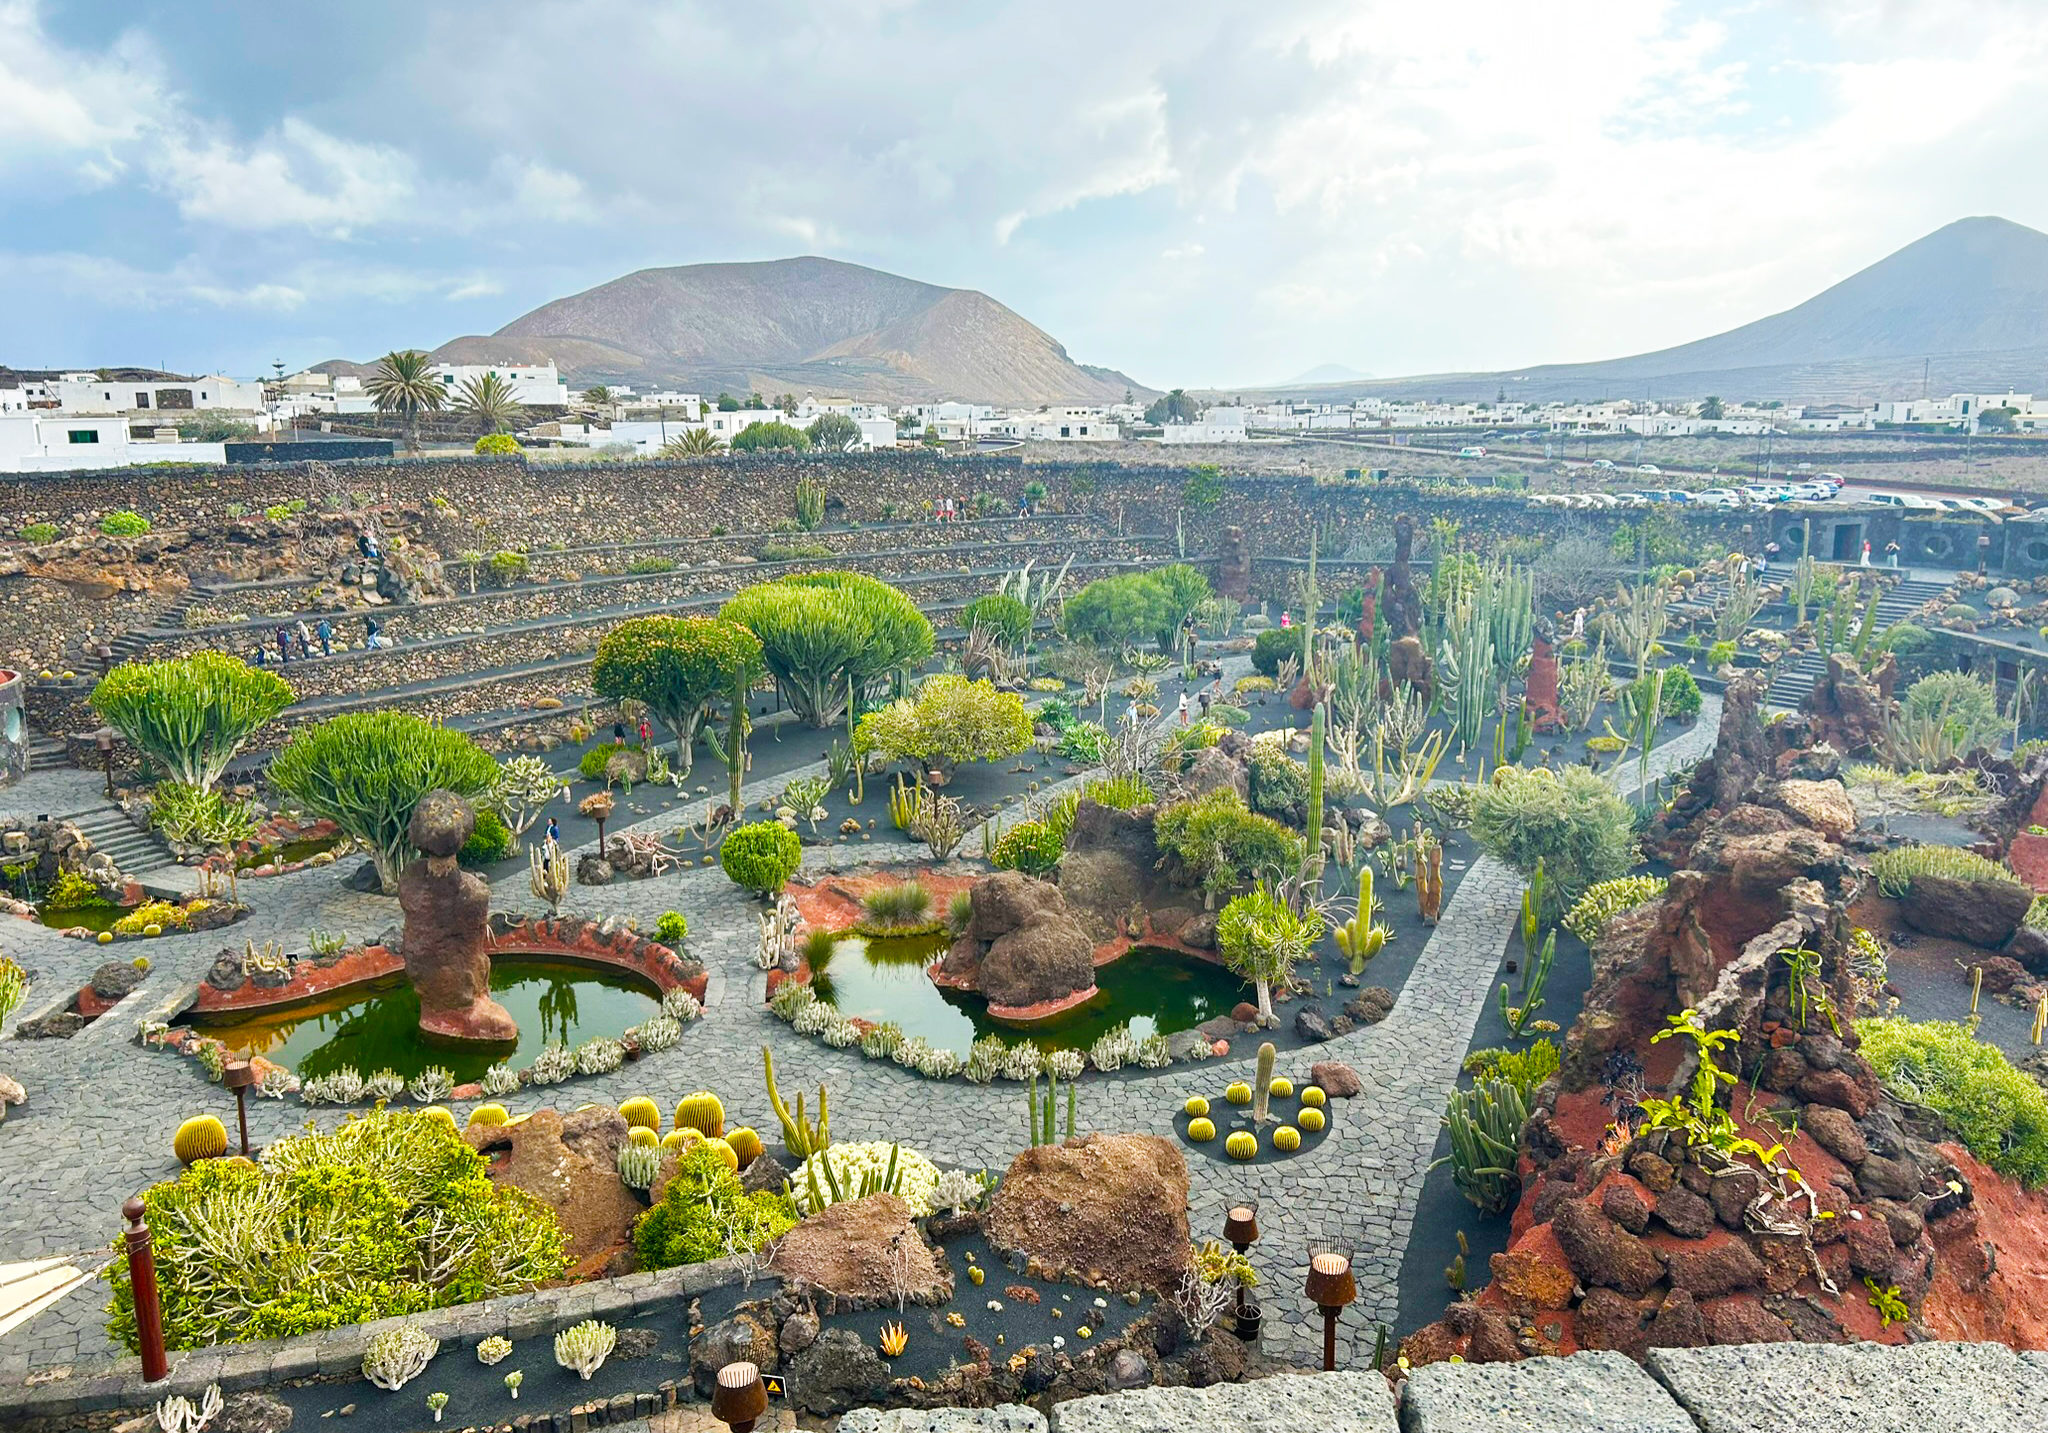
[201, 1137]
[642, 1113]
[703, 1113]
[746, 1144]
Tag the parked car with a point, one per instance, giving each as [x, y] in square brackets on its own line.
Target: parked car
[1603, 463]
[1649, 468]
[1766, 493]
[1471, 452]
[1717, 498]
[1912, 501]
[1833, 480]
[1813, 492]
[1985, 505]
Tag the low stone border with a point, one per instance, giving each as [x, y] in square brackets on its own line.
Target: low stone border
[241, 1366]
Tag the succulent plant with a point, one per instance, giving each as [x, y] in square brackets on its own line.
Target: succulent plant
[600, 1056]
[1262, 1086]
[395, 1357]
[440, 1114]
[201, 1137]
[500, 1079]
[433, 1084]
[1238, 1093]
[641, 1112]
[642, 1136]
[384, 1085]
[1311, 1118]
[1242, 1144]
[1287, 1139]
[745, 1143]
[512, 1382]
[701, 1112]
[493, 1350]
[584, 1347]
[1202, 1129]
[680, 1004]
[1196, 1106]
[657, 1033]
[639, 1164]
[1313, 1096]
[552, 1065]
[435, 1403]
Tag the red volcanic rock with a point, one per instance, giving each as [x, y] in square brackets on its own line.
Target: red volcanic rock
[570, 1163]
[1678, 1323]
[1527, 1283]
[2001, 973]
[2028, 857]
[1602, 1252]
[1607, 1320]
[1339, 1081]
[447, 915]
[1834, 1131]
[1626, 1204]
[1023, 949]
[851, 1250]
[1838, 1088]
[1981, 913]
[1685, 1214]
[1721, 1267]
[1743, 1320]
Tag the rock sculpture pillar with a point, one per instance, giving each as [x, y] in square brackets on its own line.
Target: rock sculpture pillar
[447, 928]
[1541, 698]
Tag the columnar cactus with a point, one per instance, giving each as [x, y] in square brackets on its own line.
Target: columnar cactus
[1262, 1086]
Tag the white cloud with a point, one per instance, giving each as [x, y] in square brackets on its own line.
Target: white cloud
[297, 176]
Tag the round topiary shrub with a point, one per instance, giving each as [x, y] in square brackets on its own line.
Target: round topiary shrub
[491, 841]
[496, 445]
[671, 928]
[761, 856]
[1274, 646]
[201, 1137]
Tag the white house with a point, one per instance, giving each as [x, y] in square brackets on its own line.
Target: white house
[530, 383]
[1218, 425]
[86, 393]
[1056, 425]
[53, 442]
[687, 406]
[876, 432]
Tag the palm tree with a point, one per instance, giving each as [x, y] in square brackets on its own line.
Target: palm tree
[597, 396]
[489, 400]
[691, 443]
[403, 386]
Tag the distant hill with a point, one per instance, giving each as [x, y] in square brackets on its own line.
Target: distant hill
[794, 325]
[1967, 303]
[1330, 373]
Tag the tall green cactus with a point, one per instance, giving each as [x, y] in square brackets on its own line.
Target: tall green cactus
[803, 1137]
[1262, 1091]
[1485, 1124]
[1316, 727]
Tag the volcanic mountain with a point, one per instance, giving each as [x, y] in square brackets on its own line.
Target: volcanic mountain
[796, 325]
[1965, 306]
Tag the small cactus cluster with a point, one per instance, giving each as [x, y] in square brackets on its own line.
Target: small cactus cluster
[583, 1348]
[639, 1164]
[201, 1137]
[395, 1357]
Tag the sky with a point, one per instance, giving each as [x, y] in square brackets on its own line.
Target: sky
[1198, 194]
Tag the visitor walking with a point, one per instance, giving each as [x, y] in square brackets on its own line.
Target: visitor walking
[554, 832]
[1891, 555]
[1207, 697]
[1579, 625]
[1866, 553]
[325, 632]
[305, 636]
[618, 733]
[646, 732]
[284, 643]
[1770, 556]
[373, 634]
[1285, 620]
[1183, 708]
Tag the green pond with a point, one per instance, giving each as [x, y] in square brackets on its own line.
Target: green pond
[1149, 988]
[286, 854]
[93, 918]
[378, 1028]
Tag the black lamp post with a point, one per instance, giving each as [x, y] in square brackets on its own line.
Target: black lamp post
[104, 740]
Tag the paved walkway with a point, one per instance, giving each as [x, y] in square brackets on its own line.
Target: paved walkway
[102, 1110]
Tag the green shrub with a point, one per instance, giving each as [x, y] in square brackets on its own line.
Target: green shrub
[1278, 785]
[950, 721]
[495, 445]
[1998, 1113]
[791, 551]
[1680, 697]
[1274, 646]
[284, 512]
[761, 437]
[826, 634]
[591, 765]
[1204, 486]
[1124, 793]
[761, 856]
[72, 891]
[200, 814]
[1570, 820]
[704, 1214]
[650, 566]
[1113, 611]
[1720, 655]
[366, 772]
[1603, 902]
[491, 841]
[1220, 842]
[1524, 1069]
[895, 908]
[1187, 740]
[1964, 705]
[124, 523]
[1896, 868]
[671, 927]
[676, 666]
[508, 567]
[1032, 847]
[389, 1214]
[39, 533]
[1905, 638]
[1000, 615]
[190, 715]
[1084, 741]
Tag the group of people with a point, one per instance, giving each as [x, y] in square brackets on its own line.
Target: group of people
[295, 641]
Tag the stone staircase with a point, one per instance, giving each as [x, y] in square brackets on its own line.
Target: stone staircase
[46, 753]
[139, 854]
[1795, 676]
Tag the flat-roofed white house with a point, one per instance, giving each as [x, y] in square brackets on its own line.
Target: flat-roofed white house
[530, 383]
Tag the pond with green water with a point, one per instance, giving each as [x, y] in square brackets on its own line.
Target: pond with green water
[1152, 989]
[378, 1029]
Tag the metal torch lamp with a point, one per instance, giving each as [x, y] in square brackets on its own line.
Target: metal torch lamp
[238, 1076]
[104, 740]
[1241, 1231]
[1331, 1289]
[740, 1398]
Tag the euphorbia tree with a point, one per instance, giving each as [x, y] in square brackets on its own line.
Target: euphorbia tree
[1262, 938]
[677, 666]
[830, 636]
[191, 714]
[366, 771]
[951, 720]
